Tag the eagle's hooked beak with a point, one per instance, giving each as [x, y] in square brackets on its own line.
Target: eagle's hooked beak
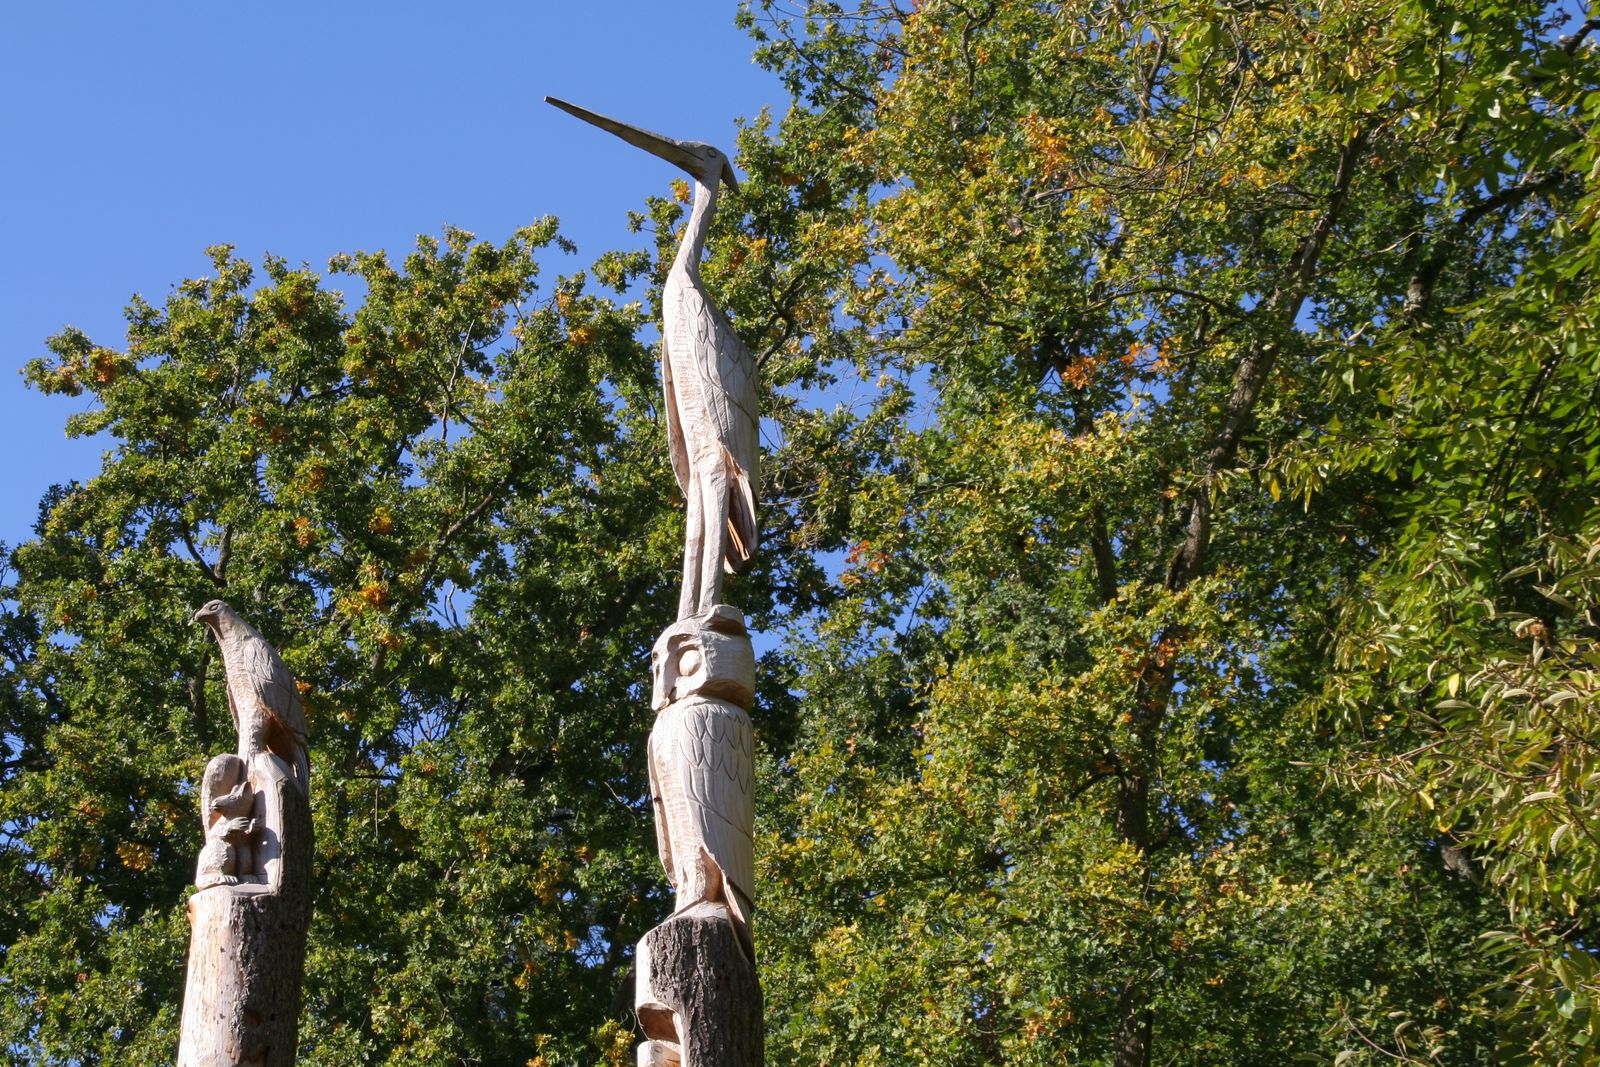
[670, 149]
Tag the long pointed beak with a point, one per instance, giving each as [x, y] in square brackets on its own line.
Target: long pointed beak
[668, 148]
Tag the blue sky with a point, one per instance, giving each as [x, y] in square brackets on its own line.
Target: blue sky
[133, 136]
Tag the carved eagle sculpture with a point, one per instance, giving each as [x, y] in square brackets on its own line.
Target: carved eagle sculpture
[261, 692]
[709, 381]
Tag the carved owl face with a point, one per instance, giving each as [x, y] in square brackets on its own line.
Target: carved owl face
[693, 658]
[677, 667]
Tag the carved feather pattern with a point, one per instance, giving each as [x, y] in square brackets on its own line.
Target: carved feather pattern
[723, 396]
[262, 684]
[675, 444]
[701, 757]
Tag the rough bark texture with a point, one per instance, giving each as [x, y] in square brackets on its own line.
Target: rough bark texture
[247, 944]
[699, 1002]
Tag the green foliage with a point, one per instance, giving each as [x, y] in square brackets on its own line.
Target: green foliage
[1469, 649]
[1213, 320]
[1180, 571]
[443, 506]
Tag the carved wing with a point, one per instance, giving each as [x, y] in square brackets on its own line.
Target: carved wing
[658, 802]
[718, 752]
[273, 684]
[675, 445]
[727, 378]
[728, 385]
[233, 707]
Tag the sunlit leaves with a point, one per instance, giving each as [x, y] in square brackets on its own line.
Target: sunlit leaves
[442, 503]
[1166, 285]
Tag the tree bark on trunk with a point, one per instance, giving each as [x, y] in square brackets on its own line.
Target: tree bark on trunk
[1135, 1020]
[698, 999]
[247, 941]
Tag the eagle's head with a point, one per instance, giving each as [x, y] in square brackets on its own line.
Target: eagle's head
[214, 614]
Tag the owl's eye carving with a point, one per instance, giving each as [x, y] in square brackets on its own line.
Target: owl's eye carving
[704, 657]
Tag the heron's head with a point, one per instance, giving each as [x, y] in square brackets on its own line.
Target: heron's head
[703, 161]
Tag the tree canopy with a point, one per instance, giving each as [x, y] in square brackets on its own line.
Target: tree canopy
[1180, 591]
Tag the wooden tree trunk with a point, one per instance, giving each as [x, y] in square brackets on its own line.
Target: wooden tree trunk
[698, 999]
[247, 942]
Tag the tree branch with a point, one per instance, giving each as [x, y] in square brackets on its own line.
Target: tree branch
[1569, 44]
[224, 554]
[1419, 290]
[450, 533]
[199, 560]
[1251, 374]
[1105, 557]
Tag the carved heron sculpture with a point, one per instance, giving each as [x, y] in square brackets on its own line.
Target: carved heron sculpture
[709, 382]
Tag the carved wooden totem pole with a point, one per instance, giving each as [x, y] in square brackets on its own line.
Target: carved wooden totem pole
[248, 920]
[697, 996]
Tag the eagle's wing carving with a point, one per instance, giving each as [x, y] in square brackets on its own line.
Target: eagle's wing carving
[273, 684]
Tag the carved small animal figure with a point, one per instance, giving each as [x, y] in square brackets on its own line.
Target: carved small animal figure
[261, 692]
[227, 810]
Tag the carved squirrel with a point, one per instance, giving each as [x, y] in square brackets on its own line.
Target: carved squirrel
[227, 808]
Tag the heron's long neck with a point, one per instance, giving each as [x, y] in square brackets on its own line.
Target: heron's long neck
[694, 235]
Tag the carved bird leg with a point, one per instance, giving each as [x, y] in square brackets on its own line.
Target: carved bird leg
[714, 521]
[694, 549]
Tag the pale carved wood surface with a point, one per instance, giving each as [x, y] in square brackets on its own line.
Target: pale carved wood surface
[228, 810]
[699, 1000]
[247, 942]
[709, 385]
[701, 757]
[250, 916]
[262, 694]
[702, 761]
